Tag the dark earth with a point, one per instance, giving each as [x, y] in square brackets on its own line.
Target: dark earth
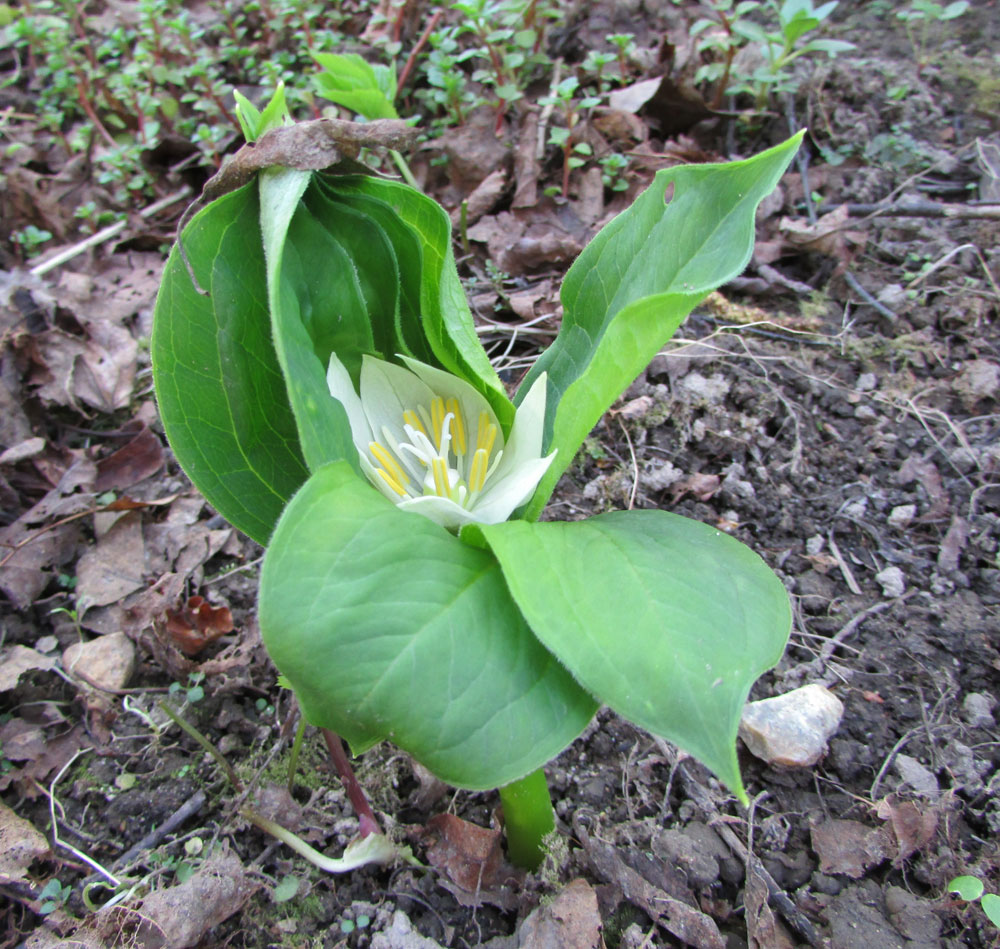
[835, 409]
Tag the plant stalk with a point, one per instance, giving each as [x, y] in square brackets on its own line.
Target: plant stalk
[367, 823]
[528, 817]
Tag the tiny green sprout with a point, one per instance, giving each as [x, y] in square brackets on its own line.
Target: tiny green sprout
[286, 890]
[53, 895]
[31, 238]
[971, 889]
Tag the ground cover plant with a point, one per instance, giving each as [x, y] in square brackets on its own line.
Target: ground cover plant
[832, 408]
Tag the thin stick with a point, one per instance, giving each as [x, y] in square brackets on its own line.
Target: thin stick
[105, 234]
[366, 819]
[635, 466]
[415, 52]
[918, 209]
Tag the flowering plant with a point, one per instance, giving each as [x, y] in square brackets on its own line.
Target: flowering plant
[330, 397]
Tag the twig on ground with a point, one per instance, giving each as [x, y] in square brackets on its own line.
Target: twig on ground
[105, 234]
[853, 283]
[635, 466]
[915, 209]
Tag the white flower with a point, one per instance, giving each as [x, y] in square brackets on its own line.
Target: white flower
[432, 444]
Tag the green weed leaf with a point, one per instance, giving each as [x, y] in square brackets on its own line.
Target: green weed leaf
[388, 626]
[667, 620]
[637, 280]
[967, 887]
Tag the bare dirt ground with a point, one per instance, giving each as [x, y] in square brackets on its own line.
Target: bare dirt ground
[835, 409]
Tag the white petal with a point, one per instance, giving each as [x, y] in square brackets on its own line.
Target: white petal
[388, 390]
[525, 442]
[342, 389]
[452, 387]
[440, 510]
[504, 496]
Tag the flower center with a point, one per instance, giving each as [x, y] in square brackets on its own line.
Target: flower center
[435, 457]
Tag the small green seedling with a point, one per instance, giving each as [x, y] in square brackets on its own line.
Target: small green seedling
[918, 19]
[193, 692]
[970, 889]
[53, 896]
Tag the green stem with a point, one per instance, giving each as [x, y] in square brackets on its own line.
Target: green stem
[404, 169]
[293, 760]
[528, 817]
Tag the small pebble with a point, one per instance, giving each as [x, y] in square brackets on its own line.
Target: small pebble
[919, 778]
[865, 413]
[977, 707]
[893, 582]
[792, 729]
[902, 515]
[866, 382]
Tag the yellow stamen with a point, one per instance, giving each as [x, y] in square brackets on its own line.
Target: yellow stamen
[439, 468]
[389, 480]
[437, 420]
[486, 435]
[457, 428]
[477, 474]
[410, 418]
[390, 464]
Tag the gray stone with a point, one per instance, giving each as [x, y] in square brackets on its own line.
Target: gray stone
[977, 707]
[902, 515]
[792, 729]
[919, 778]
[893, 582]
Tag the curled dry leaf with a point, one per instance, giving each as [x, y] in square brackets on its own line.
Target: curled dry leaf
[308, 146]
[138, 459]
[196, 624]
[570, 921]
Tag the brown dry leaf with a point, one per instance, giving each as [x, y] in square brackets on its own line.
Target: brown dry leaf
[483, 198]
[953, 543]
[849, 847]
[702, 486]
[20, 844]
[469, 855]
[829, 235]
[526, 163]
[570, 921]
[686, 922]
[307, 146]
[764, 929]
[37, 769]
[98, 370]
[926, 473]
[27, 550]
[196, 624]
[913, 828]
[184, 914]
[113, 568]
[16, 661]
[22, 740]
[136, 460]
[125, 285]
[521, 241]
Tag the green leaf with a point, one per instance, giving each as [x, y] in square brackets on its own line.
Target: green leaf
[226, 415]
[637, 280]
[967, 887]
[665, 619]
[388, 626]
[991, 907]
[286, 889]
[352, 82]
[447, 322]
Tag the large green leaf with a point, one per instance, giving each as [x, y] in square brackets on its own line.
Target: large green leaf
[634, 283]
[667, 620]
[219, 386]
[387, 626]
[446, 319]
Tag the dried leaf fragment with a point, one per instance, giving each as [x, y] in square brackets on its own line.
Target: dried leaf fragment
[197, 624]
